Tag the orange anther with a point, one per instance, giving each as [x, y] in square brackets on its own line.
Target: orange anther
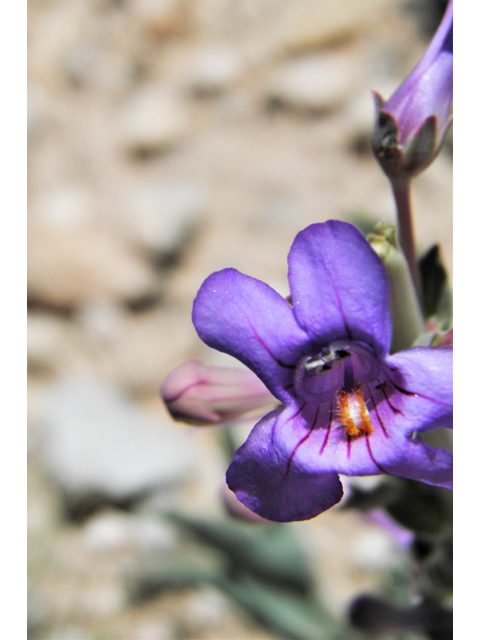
[352, 412]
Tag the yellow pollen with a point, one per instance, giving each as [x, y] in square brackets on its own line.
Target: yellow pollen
[352, 412]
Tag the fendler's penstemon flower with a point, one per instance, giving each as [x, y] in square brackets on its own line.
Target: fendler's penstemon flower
[411, 125]
[349, 407]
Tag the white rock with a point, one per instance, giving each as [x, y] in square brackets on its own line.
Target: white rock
[162, 17]
[107, 531]
[104, 599]
[206, 609]
[360, 117]
[64, 206]
[69, 267]
[70, 632]
[37, 109]
[162, 217]
[47, 337]
[146, 348]
[316, 83]
[101, 320]
[154, 631]
[56, 28]
[37, 612]
[214, 70]
[375, 551]
[113, 530]
[80, 62]
[96, 443]
[91, 64]
[152, 121]
[152, 534]
[307, 24]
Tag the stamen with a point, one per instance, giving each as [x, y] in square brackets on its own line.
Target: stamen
[352, 412]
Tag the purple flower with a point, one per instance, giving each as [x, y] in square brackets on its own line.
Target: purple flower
[411, 126]
[349, 407]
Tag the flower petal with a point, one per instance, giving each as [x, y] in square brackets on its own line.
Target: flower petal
[312, 440]
[268, 480]
[339, 286]
[424, 376]
[247, 319]
[418, 461]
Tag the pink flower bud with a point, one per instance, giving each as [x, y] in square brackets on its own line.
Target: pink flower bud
[202, 394]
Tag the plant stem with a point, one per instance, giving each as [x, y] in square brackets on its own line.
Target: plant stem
[401, 193]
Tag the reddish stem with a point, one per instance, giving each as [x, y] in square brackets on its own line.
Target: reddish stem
[401, 193]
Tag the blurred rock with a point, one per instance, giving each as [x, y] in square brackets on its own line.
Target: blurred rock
[37, 613]
[205, 611]
[359, 123]
[112, 530]
[151, 534]
[161, 17]
[54, 30]
[101, 320]
[107, 531]
[81, 61]
[100, 448]
[91, 64]
[68, 205]
[311, 24]
[360, 114]
[104, 599]
[314, 84]
[376, 551]
[152, 121]
[145, 349]
[47, 338]
[153, 630]
[214, 70]
[37, 110]
[164, 217]
[70, 632]
[68, 267]
[279, 210]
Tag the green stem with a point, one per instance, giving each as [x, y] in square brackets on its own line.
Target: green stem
[401, 193]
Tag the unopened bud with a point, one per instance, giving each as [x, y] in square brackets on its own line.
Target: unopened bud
[202, 394]
[411, 126]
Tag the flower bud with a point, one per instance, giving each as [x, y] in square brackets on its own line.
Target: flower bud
[201, 394]
[411, 126]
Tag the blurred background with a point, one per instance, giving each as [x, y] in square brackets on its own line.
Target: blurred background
[169, 139]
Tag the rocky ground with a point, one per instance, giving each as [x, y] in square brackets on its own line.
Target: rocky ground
[169, 139]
